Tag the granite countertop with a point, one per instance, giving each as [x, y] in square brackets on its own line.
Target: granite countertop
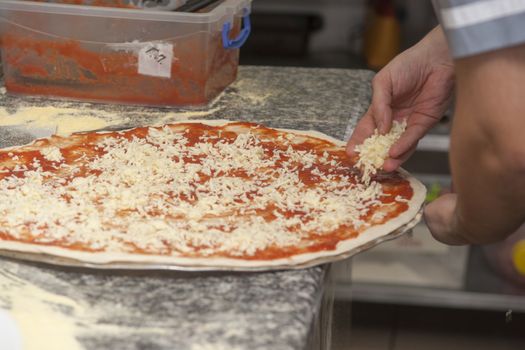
[71, 308]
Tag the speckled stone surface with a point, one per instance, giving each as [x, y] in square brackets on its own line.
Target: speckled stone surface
[175, 310]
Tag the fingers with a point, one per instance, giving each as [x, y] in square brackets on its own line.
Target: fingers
[378, 115]
[405, 146]
[381, 102]
[399, 152]
[364, 128]
[408, 140]
[391, 164]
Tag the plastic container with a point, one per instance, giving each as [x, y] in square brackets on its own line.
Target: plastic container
[163, 5]
[121, 55]
[102, 3]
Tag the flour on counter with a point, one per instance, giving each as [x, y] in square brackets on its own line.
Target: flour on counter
[213, 346]
[251, 91]
[179, 116]
[65, 120]
[48, 321]
[39, 315]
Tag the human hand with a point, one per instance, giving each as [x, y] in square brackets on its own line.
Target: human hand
[440, 216]
[417, 85]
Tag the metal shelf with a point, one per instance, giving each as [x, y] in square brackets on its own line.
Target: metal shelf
[457, 299]
[437, 139]
[482, 290]
[434, 143]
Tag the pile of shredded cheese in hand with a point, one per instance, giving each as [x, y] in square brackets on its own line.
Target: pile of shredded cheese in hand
[374, 150]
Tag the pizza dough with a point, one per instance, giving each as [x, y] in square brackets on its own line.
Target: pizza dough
[214, 194]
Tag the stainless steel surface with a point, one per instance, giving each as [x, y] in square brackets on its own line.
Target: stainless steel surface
[482, 290]
[435, 297]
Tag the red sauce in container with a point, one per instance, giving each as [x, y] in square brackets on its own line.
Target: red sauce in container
[45, 65]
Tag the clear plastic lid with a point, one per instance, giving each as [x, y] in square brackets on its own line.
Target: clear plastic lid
[226, 9]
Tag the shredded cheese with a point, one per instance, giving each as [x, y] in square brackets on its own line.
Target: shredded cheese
[163, 195]
[52, 154]
[374, 150]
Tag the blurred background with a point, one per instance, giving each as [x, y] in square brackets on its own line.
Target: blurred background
[334, 33]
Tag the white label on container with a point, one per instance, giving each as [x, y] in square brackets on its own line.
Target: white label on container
[155, 60]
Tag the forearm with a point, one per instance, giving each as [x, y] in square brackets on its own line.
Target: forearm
[491, 190]
[436, 47]
[487, 146]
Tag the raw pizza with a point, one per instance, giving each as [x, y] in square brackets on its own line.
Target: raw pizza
[205, 193]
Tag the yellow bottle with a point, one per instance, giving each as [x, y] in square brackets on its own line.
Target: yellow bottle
[518, 257]
[382, 36]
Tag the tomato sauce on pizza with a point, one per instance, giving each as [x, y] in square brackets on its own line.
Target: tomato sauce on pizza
[235, 190]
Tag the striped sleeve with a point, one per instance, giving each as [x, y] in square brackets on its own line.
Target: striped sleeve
[477, 26]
